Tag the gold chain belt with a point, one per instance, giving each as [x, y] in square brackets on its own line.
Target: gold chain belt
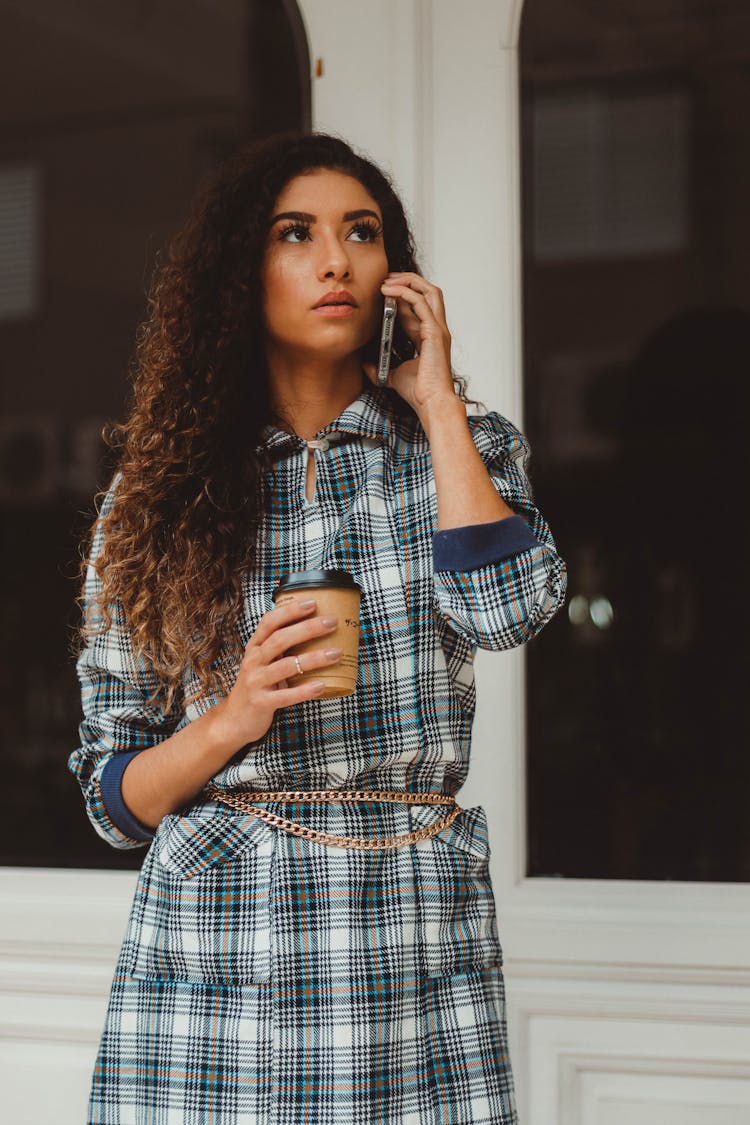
[244, 803]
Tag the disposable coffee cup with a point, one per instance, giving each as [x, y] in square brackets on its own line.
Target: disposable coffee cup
[337, 595]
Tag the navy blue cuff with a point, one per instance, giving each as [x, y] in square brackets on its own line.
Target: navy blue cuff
[118, 812]
[468, 548]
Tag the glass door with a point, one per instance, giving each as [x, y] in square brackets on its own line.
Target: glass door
[102, 145]
[635, 149]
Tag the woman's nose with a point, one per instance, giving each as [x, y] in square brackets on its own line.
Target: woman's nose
[333, 260]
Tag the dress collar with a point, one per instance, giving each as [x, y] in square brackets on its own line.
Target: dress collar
[367, 416]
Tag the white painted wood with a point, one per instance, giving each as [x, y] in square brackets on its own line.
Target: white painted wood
[670, 1025]
[60, 932]
[636, 1099]
[590, 1070]
[45, 1080]
[627, 1001]
[373, 92]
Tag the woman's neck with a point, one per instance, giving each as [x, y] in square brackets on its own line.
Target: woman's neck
[308, 401]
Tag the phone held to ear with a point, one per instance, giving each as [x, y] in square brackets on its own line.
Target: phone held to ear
[386, 340]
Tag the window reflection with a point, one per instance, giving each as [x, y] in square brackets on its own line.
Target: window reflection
[102, 144]
[635, 176]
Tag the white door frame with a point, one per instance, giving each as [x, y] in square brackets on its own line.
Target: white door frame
[624, 994]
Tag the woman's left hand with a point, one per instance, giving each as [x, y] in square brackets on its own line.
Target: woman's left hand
[427, 378]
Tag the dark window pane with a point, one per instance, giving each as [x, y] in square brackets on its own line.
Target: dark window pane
[636, 266]
[103, 141]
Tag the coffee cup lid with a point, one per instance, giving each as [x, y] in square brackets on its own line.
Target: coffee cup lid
[302, 579]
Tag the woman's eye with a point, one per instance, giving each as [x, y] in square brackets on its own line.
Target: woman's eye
[297, 229]
[368, 230]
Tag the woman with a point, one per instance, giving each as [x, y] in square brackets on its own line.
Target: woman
[267, 977]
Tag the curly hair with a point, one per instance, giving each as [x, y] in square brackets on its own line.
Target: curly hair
[186, 512]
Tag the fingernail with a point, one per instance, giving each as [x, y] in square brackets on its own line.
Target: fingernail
[329, 621]
[308, 603]
[332, 653]
[318, 686]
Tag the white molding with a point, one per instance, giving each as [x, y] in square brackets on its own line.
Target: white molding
[676, 999]
[45, 1079]
[658, 1059]
[41, 1035]
[693, 927]
[84, 910]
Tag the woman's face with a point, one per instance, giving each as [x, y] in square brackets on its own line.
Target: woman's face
[332, 241]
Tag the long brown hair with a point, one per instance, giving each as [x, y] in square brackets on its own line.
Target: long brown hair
[184, 518]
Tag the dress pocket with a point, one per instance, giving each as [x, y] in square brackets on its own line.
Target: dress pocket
[202, 910]
[458, 926]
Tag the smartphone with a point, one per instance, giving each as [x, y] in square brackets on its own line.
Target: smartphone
[386, 339]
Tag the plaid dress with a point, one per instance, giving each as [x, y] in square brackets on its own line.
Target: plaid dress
[269, 979]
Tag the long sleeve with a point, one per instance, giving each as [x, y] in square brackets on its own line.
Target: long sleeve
[498, 584]
[118, 719]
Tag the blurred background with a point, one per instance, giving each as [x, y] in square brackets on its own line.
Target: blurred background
[636, 304]
[109, 117]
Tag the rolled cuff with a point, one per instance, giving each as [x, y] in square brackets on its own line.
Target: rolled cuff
[110, 786]
[468, 548]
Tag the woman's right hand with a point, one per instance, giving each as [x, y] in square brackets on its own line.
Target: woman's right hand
[261, 685]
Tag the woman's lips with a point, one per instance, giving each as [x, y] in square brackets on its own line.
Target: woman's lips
[334, 310]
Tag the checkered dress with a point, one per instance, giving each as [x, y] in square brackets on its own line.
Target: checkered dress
[269, 979]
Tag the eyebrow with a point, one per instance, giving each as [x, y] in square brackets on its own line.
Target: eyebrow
[306, 217]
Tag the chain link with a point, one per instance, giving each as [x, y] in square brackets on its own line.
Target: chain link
[243, 802]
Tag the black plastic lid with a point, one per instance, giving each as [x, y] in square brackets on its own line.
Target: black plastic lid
[302, 579]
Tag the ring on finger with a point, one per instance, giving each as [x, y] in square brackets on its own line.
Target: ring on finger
[299, 666]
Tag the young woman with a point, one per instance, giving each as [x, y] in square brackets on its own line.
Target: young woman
[351, 971]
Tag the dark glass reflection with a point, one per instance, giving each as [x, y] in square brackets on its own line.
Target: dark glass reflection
[635, 181]
[112, 118]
